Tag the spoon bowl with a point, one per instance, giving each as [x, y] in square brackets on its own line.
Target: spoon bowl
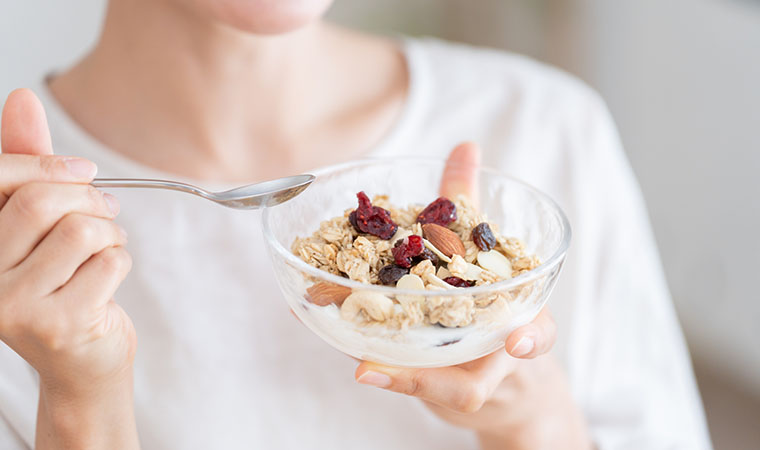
[252, 196]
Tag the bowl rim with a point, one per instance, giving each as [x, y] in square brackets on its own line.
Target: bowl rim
[556, 258]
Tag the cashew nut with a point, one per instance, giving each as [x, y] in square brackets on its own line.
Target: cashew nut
[376, 306]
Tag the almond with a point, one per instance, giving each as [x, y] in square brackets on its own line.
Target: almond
[324, 293]
[436, 281]
[410, 282]
[443, 239]
[437, 252]
[496, 263]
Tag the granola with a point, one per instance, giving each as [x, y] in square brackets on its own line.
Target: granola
[444, 246]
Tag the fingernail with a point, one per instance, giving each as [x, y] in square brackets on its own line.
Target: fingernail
[113, 203]
[376, 379]
[523, 347]
[81, 168]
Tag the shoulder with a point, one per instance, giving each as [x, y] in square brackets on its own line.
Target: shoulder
[520, 110]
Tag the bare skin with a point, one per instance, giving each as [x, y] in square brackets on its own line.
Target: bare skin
[62, 260]
[211, 99]
[214, 103]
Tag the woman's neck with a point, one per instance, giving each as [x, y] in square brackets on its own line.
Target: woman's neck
[200, 99]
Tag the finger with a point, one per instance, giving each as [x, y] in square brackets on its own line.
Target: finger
[17, 170]
[73, 240]
[460, 388]
[24, 125]
[35, 208]
[96, 281]
[460, 174]
[533, 339]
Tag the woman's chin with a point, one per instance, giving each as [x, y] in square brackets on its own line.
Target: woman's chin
[271, 17]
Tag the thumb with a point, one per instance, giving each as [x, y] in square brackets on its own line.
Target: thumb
[460, 174]
[24, 125]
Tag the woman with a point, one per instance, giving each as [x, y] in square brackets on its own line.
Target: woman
[225, 92]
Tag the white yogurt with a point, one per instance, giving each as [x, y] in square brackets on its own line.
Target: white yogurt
[418, 346]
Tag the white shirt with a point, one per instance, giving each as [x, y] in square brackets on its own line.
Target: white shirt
[221, 363]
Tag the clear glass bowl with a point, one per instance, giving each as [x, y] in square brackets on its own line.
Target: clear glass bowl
[518, 209]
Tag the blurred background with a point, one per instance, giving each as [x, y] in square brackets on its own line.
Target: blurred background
[682, 78]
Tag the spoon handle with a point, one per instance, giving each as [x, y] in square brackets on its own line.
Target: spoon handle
[147, 183]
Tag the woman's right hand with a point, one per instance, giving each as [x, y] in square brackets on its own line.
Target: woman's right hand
[62, 259]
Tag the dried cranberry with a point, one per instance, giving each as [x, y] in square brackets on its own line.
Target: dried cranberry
[406, 249]
[445, 343]
[352, 220]
[372, 219]
[427, 254]
[458, 282]
[391, 273]
[441, 212]
[483, 237]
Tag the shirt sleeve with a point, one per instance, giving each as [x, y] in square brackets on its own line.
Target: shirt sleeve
[638, 388]
[18, 401]
[9, 439]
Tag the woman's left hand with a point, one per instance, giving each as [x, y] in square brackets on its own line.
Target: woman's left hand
[465, 388]
[511, 401]
[509, 398]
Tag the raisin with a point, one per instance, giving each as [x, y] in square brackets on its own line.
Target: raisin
[406, 249]
[391, 273]
[458, 282]
[443, 344]
[427, 254]
[483, 237]
[441, 212]
[373, 220]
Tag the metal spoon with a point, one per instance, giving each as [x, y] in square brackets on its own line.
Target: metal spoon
[252, 196]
